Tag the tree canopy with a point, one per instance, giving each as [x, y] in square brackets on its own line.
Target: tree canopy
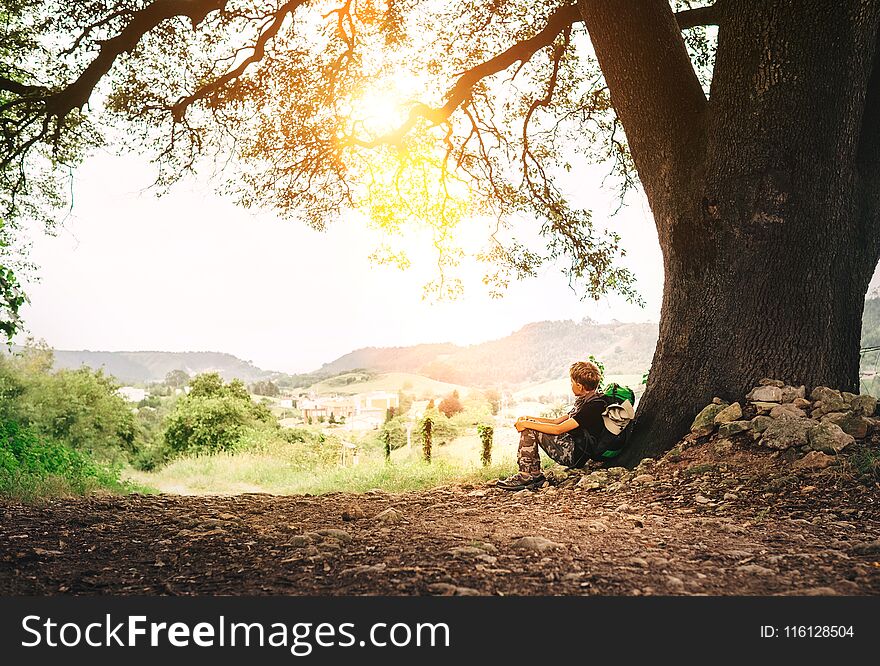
[421, 114]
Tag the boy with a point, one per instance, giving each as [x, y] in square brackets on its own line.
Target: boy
[563, 439]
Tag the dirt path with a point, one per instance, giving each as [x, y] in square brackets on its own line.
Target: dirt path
[684, 529]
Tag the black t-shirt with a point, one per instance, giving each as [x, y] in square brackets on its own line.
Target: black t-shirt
[588, 414]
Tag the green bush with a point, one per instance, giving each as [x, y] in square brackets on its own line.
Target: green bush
[31, 466]
[444, 430]
[77, 408]
[213, 417]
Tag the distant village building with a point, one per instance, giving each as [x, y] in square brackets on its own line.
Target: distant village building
[378, 402]
[132, 394]
[365, 410]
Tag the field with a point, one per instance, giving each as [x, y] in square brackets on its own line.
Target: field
[272, 472]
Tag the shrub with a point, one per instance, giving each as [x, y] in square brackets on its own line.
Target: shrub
[213, 417]
[451, 405]
[31, 465]
[78, 408]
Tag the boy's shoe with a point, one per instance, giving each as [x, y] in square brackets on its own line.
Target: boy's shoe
[521, 481]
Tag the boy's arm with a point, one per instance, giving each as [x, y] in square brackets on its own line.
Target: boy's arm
[538, 419]
[567, 425]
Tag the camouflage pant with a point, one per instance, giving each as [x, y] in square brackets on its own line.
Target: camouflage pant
[560, 448]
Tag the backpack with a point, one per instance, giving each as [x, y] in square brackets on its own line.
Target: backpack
[621, 393]
[609, 445]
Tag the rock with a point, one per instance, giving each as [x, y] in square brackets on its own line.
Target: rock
[449, 590]
[643, 478]
[536, 543]
[766, 381]
[848, 397]
[801, 403]
[787, 411]
[865, 405]
[558, 473]
[792, 393]
[850, 422]
[829, 406]
[765, 394]
[785, 433]
[704, 424]
[761, 423]
[733, 427]
[730, 496]
[617, 472]
[730, 413]
[871, 548]
[645, 463]
[764, 407]
[754, 570]
[674, 583]
[299, 541]
[825, 394]
[718, 401]
[389, 516]
[339, 535]
[701, 499]
[828, 438]
[353, 513]
[813, 460]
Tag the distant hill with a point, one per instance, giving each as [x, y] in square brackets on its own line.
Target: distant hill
[388, 359]
[541, 352]
[535, 353]
[151, 366]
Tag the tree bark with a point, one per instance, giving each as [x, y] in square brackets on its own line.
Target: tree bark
[765, 210]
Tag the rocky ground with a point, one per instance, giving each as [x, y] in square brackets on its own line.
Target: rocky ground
[750, 509]
[695, 526]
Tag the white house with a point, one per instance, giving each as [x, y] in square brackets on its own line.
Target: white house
[132, 394]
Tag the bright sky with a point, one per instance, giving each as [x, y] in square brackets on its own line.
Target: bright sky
[191, 271]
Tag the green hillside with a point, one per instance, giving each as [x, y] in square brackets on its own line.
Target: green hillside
[141, 367]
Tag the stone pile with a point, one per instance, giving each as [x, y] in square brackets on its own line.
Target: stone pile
[783, 417]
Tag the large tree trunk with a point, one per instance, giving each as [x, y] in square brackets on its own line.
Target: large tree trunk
[763, 195]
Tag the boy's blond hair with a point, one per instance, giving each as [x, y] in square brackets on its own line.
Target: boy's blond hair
[586, 374]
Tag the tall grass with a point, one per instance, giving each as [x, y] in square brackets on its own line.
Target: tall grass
[276, 471]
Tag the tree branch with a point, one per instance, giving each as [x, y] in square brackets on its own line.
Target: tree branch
[711, 15]
[19, 88]
[259, 49]
[76, 94]
[558, 22]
